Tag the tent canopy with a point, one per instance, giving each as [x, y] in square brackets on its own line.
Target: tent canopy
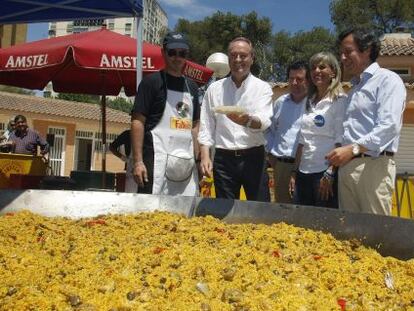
[36, 11]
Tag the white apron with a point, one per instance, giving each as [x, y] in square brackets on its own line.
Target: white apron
[175, 171]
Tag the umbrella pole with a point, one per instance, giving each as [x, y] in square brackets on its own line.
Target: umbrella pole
[103, 107]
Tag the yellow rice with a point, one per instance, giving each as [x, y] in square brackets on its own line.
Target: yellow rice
[162, 261]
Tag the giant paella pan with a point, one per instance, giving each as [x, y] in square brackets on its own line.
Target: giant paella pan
[68, 250]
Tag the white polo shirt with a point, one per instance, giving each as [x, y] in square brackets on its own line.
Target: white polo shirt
[321, 128]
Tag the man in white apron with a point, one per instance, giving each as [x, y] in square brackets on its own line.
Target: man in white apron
[164, 121]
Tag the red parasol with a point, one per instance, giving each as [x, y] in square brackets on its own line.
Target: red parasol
[97, 62]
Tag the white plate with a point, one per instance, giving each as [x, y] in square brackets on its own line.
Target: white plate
[229, 109]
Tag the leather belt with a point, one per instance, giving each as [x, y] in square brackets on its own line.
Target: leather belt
[285, 159]
[384, 153]
[240, 152]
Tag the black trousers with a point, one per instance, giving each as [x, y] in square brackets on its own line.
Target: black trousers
[247, 168]
[307, 190]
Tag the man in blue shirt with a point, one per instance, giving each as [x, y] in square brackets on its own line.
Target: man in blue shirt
[372, 126]
[282, 135]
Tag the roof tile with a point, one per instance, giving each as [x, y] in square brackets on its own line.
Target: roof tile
[392, 44]
[58, 107]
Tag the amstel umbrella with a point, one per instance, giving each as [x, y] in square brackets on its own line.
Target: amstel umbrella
[98, 62]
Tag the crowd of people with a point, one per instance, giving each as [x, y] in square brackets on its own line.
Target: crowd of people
[19, 138]
[326, 148]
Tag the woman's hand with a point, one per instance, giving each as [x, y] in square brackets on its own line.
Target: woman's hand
[292, 184]
[325, 187]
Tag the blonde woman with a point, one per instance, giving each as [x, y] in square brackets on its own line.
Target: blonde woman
[314, 180]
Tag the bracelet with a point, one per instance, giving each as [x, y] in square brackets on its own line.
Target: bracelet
[138, 163]
[327, 175]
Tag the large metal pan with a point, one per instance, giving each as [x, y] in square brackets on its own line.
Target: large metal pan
[391, 236]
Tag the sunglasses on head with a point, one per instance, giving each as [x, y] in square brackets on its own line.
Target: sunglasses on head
[179, 53]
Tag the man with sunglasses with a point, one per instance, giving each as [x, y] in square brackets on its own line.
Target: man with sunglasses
[164, 121]
[237, 134]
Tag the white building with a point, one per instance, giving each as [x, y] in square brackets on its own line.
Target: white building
[155, 23]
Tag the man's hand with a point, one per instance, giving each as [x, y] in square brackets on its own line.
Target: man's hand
[340, 156]
[140, 173]
[206, 167]
[240, 119]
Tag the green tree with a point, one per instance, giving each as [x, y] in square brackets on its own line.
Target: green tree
[213, 33]
[14, 89]
[84, 98]
[382, 16]
[121, 104]
[287, 48]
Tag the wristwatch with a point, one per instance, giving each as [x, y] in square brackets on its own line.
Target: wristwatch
[249, 121]
[356, 150]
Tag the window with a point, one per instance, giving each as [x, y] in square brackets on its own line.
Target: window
[84, 134]
[402, 72]
[79, 29]
[110, 137]
[128, 27]
[69, 28]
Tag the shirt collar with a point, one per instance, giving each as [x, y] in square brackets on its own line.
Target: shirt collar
[244, 81]
[301, 102]
[366, 74]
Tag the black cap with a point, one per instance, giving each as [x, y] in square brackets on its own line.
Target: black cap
[175, 40]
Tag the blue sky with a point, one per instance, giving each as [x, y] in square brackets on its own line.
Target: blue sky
[290, 15]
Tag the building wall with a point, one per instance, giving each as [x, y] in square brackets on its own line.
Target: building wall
[12, 34]
[154, 21]
[401, 62]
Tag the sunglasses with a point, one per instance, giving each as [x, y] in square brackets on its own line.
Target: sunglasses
[179, 53]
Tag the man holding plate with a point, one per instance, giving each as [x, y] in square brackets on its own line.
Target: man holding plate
[234, 114]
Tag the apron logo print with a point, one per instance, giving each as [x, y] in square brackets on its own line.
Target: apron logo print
[180, 124]
[319, 120]
[183, 109]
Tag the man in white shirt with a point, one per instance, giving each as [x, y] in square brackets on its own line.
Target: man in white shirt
[238, 136]
[282, 135]
[373, 120]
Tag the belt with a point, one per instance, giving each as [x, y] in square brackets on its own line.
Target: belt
[384, 153]
[240, 152]
[285, 159]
